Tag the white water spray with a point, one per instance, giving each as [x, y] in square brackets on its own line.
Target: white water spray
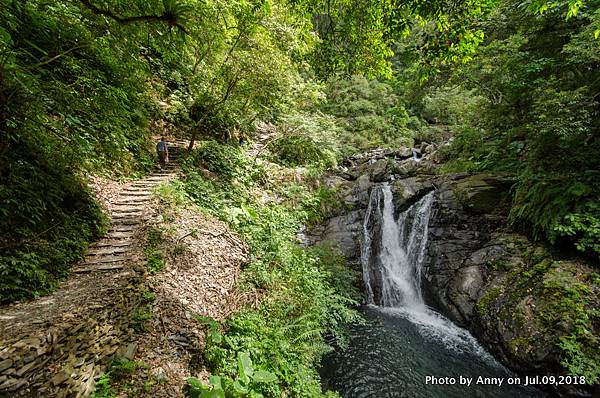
[417, 157]
[392, 257]
[396, 262]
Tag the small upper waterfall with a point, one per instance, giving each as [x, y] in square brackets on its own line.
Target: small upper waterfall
[417, 157]
[394, 249]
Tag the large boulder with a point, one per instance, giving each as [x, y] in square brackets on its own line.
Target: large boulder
[537, 314]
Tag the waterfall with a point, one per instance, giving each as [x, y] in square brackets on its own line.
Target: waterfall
[394, 249]
[404, 341]
[417, 157]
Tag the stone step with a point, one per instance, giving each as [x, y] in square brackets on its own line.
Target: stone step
[120, 235]
[110, 243]
[108, 250]
[113, 267]
[106, 259]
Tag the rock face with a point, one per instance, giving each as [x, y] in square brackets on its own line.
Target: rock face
[512, 294]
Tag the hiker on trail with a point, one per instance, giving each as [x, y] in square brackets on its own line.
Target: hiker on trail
[163, 152]
[242, 141]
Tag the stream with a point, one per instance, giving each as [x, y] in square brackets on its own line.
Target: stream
[406, 348]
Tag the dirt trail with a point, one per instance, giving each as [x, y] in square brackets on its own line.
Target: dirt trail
[59, 345]
[114, 252]
[42, 350]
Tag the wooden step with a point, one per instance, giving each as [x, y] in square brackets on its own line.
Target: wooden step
[135, 200]
[125, 207]
[124, 214]
[125, 221]
[124, 228]
[136, 194]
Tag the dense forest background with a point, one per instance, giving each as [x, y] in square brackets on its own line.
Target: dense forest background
[500, 85]
[506, 85]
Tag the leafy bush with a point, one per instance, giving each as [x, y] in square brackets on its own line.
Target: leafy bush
[48, 219]
[559, 207]
[299, 150]
[528, 104]
[307, 292]
[227, 161]
[154, 251]
[71, 103]
[369, 113]
[118, 369]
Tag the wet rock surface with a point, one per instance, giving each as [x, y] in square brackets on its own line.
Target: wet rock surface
[485, 277]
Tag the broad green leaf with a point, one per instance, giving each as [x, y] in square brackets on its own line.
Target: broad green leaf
[263, 376]
[216, 337]
[214, 393]
[216, 382]
[245, 367]
[239, 388]
[194, 382]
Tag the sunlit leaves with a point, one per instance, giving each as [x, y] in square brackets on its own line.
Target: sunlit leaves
[571, 7]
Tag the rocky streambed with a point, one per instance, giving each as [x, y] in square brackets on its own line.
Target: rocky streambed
[523, 302]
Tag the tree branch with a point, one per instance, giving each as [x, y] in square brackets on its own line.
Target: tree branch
[165, 17]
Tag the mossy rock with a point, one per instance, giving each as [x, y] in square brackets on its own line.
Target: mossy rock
[544, 315]
[483, 193]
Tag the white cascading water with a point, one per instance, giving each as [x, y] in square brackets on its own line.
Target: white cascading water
[416, 155]
[404, 341]
[401, 249]
[392, 257]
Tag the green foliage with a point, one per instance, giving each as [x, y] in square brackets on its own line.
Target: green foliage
[299, 150]
[155, 260]
[526, 104]
[48, 220]
[357, 37]
[228, 162]
[306, 291]
[369, 113]
[72, 101]
[580, 353]
[118, 369]
[103, 388]
[584, 225]
[248, 384]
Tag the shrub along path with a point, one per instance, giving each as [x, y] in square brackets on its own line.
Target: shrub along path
[55, 345]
